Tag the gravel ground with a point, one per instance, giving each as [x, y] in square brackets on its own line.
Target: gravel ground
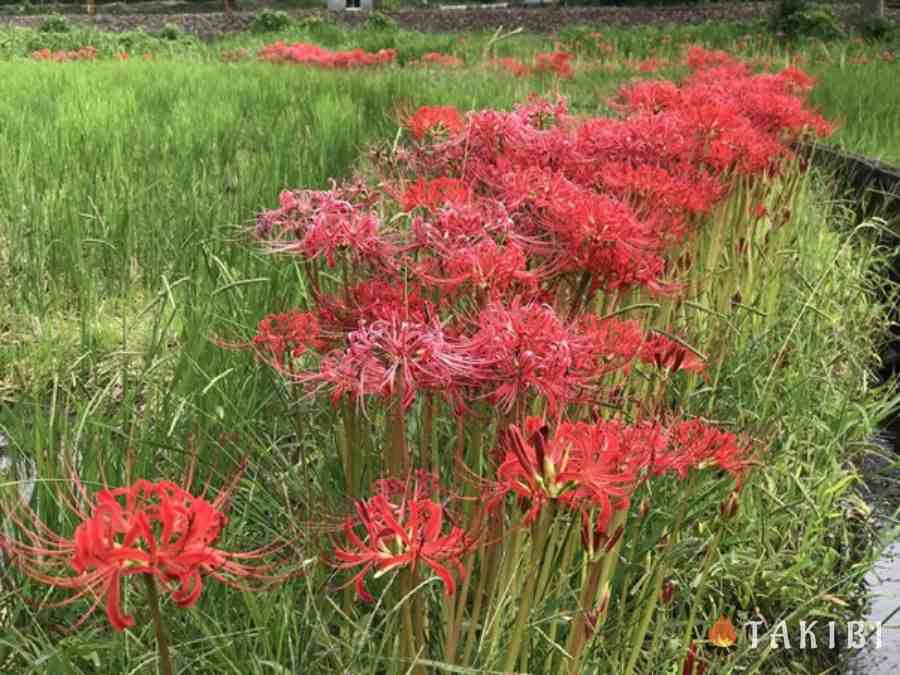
[208, 25]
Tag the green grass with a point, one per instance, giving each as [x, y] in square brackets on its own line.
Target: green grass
[849, 92]
[126, 192]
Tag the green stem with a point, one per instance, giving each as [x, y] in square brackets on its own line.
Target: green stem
[162, 640]
[598, 588]
[538, 540]
[646, 616]
[696, 598]
[399, 464]
[425, 447]
[411, 630]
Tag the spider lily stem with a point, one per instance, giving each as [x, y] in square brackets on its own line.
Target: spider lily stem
[538, 542]
[162, 639]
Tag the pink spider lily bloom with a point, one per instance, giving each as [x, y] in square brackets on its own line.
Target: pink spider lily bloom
[399, 535]
[529, 351]
[156, 529]
[325, 224]
[370, 301]
[387, 357]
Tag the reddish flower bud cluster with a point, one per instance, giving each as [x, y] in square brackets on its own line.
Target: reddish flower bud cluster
[438, 59]
[81, 54]
[558, 63]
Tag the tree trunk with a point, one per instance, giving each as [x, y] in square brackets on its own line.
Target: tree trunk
[873, 8]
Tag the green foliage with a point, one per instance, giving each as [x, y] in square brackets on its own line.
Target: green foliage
[270, 21]
[795, 19]
[21, 42]
[55, 24]
[378, 21]
[323, 29]
[877, 28]
[170, 31]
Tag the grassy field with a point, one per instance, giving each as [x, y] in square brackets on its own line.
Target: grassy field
[127, 192]
[850, 73]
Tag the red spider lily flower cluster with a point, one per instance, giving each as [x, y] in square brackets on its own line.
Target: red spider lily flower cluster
[390, 531]
[557, 63]
[594, 468]
[314, 55]
[511, 66]
[438, 59]
[471, 282]
[514, 223]
[287, 335]
[158, 529]
[652, 64]
[434, 120]
[81, 54]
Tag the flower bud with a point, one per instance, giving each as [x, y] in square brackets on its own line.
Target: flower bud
[644, 508]
[729, 507]
[668, 590]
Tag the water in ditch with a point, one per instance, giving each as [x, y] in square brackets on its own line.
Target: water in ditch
[884, 589]
[882, 479]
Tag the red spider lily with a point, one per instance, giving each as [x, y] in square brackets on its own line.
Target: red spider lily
[460, 223]
[527, 350]
[310, 54]
[512, 66]
[390, 356]
[323, 224]
[80, 54]
[668, 354]
[400, 535]
[486, 267]
[431, 194]
[652, 64]
[699, 58]
[615, 339]
[557, 62]
[434, 120]
[592, 468]
[367, 302]
[438, 59]
[420, 485]
[158, 529]
[289, 334]
[693, 444]
[688, 667]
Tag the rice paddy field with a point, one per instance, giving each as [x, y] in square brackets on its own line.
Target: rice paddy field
[547, 391]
